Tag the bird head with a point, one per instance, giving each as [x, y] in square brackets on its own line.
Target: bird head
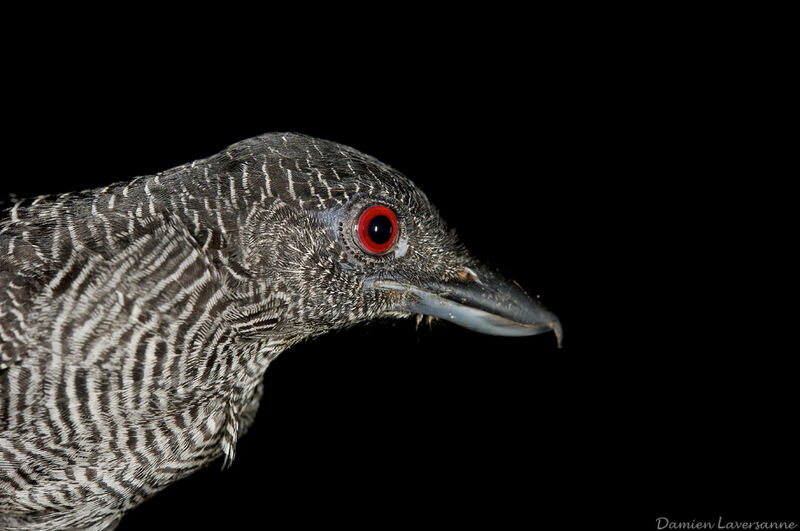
[350, 239]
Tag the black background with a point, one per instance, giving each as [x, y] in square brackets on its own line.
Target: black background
[585, 163]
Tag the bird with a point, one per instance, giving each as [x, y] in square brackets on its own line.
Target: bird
[137, 320]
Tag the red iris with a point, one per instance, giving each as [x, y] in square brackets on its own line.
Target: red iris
[377, 229]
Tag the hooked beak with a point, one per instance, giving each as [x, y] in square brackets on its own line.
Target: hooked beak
[479, 300]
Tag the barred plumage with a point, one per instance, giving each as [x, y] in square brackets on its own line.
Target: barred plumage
[137, 320]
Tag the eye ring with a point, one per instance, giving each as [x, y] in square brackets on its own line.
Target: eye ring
[377, 229]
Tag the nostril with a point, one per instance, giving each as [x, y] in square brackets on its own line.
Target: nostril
[467, 275]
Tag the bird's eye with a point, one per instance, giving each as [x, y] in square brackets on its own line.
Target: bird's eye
[377, 229]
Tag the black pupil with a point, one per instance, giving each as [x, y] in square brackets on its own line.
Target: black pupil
[380, 229]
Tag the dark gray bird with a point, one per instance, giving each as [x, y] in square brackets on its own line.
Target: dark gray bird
[137, 320]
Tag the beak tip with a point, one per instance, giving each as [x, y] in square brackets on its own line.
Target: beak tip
[559, 332]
